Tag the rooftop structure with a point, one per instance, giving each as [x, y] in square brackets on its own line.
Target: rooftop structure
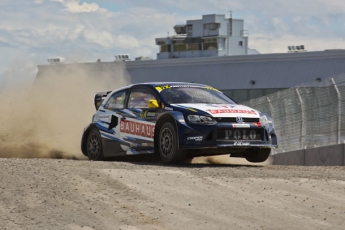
[213, 35]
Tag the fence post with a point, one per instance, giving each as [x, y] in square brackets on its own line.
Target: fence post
[302, 133]
[339, 109]
[271, 107]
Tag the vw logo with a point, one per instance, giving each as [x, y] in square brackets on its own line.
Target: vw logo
[239, 119]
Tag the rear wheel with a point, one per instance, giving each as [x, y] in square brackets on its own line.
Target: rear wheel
[94, 145]
[257, 155]
[168, 145]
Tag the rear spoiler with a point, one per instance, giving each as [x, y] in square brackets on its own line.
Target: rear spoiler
[99, 97]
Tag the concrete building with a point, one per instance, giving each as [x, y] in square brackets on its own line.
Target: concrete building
[241, 77]
[213, 35]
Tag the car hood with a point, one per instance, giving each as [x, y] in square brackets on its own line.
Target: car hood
[221, 110]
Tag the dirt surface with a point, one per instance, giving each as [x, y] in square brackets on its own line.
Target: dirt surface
[79, 194]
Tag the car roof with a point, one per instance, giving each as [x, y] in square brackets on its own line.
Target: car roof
[154, 84]
[166, 83]
[170, 83]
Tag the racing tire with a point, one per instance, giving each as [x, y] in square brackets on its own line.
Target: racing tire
[258, 155]
[168, 145]
[94, 146]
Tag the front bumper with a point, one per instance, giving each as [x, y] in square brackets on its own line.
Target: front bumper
[209, 136]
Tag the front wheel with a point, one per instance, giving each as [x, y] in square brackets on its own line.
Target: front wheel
[94, 145]
[258, 155]
[168, 145]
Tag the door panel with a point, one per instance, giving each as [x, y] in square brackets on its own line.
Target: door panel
[138, 127]
[109, 124]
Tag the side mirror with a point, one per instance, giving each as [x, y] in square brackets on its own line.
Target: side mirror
[152, 104]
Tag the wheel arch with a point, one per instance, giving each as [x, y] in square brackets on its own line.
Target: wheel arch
[84, 138]
[166, 117]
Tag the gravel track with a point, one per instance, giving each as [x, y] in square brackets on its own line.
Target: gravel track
[79, 194]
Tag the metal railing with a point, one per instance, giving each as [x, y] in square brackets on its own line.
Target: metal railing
[307, 116]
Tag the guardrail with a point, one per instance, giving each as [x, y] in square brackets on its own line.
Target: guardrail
[307, 116]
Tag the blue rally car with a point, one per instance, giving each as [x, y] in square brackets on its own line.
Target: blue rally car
[176, 120]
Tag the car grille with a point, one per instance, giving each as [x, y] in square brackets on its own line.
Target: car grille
[233, 119]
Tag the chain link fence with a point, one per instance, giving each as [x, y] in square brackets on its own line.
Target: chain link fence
[307, 116]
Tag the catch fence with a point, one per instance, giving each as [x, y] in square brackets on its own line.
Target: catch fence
[307, 116]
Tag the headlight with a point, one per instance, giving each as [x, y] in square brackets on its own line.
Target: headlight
[264, 121]
[268, 123]
[197, 119]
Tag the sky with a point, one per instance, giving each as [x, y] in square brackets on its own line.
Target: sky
[32, 31]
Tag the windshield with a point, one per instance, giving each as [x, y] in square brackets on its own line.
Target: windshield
[194, 94]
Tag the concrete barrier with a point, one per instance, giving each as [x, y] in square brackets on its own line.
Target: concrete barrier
[290, 158]
[332, 155]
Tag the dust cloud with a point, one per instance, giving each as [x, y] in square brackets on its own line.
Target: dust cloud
[46, 119]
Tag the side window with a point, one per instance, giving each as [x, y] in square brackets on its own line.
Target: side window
[116, 101]
[139, 98]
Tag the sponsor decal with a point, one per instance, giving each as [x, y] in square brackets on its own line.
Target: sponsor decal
[198, 138]
[241, 125]
[168, 108]
[240, 143]
[193, 110]
[151, 114]
[162, 87]
[221, 106]
[146, 113]
[159, 88]
[137, 128]
[240, 134]
[217, 111]
[102, 116]
[211, 88]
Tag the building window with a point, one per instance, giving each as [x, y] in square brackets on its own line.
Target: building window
[240, 43]
[165, 48]
[161, 43]
[210, 44]
[211, 26]
[180, 47]
[190, 31]
[193, 46]
[178, 42]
